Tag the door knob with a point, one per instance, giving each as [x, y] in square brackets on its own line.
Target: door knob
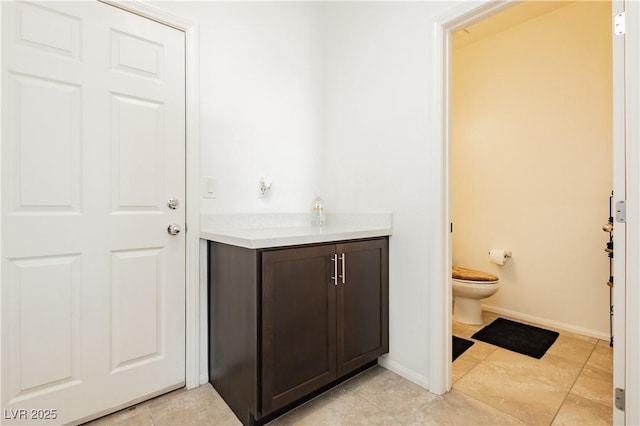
[173, 203]
[173, 229]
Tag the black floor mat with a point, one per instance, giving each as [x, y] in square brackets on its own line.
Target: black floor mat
[459, 346]
[517, 337]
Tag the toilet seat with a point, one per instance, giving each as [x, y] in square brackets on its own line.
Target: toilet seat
[467, 275]
[463, 284]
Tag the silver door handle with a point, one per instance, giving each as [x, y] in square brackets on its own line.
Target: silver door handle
[173, 203]
[334, 259]
[344, 268]
[173, 229]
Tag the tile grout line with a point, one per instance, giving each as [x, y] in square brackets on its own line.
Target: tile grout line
[478, 400]
[492, 406]
[468, 371]
[566, 393]
[153, 422]
[574, 383]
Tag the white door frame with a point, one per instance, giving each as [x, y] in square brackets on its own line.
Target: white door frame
[620, 231]
[193, 343]
[2, 93]
[627, 321]
[627, 376]
[440, 292]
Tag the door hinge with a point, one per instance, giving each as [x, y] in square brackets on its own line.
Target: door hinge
[621, 211]
[619, 24]
[620, 399]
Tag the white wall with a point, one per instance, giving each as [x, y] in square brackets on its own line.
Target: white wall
[329, 96]
[532, 164]
[378, 155]
[335, 96]
[261, 100]
[261, 107]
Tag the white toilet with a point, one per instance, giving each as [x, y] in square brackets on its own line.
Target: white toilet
[469, 286]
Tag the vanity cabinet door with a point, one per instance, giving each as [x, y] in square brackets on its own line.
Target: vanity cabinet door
[362, 303]
[298, 323]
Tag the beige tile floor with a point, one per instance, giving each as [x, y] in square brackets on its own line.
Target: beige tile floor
[570, 385]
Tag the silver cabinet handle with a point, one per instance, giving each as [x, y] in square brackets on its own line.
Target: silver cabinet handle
[334, 259]
[173, 229]
[344, 268]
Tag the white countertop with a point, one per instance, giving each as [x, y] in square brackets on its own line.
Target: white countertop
[278, 230]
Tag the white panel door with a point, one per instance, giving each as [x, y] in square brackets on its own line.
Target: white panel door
[93, 146]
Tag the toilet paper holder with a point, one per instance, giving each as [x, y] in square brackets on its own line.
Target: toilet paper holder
[506, 254]
[499, 256]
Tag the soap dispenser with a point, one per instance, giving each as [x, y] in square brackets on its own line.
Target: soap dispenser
[318, 215]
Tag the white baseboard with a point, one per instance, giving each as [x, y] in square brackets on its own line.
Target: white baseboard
[204, 378]
[410, 375]
[550, 323]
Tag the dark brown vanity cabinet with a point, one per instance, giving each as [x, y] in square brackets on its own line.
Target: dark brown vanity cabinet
[309, 316]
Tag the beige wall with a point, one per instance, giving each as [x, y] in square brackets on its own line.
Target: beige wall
[532, 164]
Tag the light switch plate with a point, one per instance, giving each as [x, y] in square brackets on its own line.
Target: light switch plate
[209, 187]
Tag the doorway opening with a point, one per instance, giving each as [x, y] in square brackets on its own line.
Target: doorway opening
[441, 331]
[531, 138]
